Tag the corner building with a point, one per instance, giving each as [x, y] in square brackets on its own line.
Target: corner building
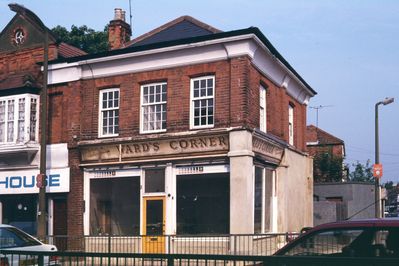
[186, 130]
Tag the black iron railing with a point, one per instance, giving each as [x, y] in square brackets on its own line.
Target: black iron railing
[243, 244]
[12, 258]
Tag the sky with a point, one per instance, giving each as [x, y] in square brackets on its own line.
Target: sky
[348, 51]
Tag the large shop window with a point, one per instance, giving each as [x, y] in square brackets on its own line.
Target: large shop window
[20, 211]
[263, 197]
[202, 102]
[18, 118]
[203, 203]
[109, 113]
[115, 206]
[153, 107]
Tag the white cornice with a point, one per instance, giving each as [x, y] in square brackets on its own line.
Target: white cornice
[187, 54]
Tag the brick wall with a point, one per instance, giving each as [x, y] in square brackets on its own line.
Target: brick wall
[236, 100]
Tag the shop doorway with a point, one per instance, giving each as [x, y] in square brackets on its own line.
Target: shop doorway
[154, 225]
[60, 224]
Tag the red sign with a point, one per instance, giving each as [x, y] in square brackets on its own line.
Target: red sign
[377, 170]
[40, 179]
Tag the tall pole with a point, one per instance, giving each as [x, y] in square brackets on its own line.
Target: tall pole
[378, 213]
[377, 161]
[42, 215]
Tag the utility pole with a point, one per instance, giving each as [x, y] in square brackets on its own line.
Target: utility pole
[41, 178]
[377, 193]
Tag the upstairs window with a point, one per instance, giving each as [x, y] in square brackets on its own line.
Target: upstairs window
[153, 107]
[18, 118]
[202, 102]
[262, 109]
[109, 113]
[291, 124]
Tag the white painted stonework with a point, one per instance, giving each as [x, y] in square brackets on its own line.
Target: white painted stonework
[183, 55]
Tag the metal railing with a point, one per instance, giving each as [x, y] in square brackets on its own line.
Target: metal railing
[14, 258]
[242, 244]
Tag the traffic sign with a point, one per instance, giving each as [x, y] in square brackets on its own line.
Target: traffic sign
[377, 170]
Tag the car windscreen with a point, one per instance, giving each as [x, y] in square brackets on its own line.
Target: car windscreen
[13, 238]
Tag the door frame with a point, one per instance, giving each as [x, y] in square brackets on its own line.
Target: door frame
[158, 243]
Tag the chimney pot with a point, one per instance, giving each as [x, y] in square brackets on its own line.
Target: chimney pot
[118, 14]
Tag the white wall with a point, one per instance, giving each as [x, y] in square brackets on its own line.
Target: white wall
[294, 192]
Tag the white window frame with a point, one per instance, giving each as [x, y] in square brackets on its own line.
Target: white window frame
[192, 100]
[291, 125]
[27, 118]
[101, 112]
[144, 105]
[262, 109]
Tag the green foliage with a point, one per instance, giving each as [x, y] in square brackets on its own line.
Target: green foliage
[83, 37]
[327, 168]
[362, 173]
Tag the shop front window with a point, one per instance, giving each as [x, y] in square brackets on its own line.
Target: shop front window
[263, 199]
[20, 211]
[203, 204]
[115, 206]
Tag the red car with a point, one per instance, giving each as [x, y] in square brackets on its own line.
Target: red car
[360, 238]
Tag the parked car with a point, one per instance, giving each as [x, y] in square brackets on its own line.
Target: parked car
[12, 238]
[360, 238]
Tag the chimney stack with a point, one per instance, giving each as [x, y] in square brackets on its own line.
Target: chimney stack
[119, 31]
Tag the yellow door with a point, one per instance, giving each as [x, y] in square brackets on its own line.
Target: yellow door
[154, 225]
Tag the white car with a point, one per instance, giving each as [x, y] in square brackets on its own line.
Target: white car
[12, 238]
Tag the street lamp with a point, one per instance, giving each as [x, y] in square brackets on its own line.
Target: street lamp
[377, 158]
[29, 15]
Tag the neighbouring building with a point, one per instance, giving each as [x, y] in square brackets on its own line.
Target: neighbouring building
[335, 197]
[21, 49]
[345, 200]
[183, 130]
[328, 152]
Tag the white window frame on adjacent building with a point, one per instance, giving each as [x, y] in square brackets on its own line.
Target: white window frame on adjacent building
[19, 118]
[202, 102]
[153, 111]
[291, 124]
[109, 112]
[262, 109]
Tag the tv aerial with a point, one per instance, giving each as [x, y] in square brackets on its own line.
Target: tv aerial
[317, 108]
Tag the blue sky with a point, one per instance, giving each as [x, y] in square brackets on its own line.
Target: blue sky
[348, 51]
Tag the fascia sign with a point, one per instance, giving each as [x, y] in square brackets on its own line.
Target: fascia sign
[24, 181]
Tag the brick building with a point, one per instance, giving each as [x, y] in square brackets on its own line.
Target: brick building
[21, 49]
[327, 150]
[183, 130]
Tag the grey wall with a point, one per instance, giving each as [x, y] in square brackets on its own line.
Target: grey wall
[357, 201]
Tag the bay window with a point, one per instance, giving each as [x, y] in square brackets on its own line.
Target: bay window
[18, 118]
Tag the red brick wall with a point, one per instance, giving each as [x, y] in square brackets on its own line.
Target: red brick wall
[236, 100]
[24, 61]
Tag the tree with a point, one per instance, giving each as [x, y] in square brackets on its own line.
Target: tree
[362, 173]
[327, 168]
[83, 37]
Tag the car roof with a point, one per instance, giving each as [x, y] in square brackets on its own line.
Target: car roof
[6, 225]
[359, 223]
[373, 222]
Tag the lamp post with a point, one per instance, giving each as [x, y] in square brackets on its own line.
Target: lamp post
[29, 15]
[377, 157]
